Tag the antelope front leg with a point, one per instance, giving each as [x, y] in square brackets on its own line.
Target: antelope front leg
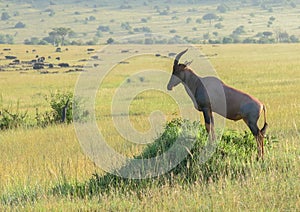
[209, 123]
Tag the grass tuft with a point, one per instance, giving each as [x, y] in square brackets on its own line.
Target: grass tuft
[21, 196]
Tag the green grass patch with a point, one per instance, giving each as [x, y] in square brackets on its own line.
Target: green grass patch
[233, 158]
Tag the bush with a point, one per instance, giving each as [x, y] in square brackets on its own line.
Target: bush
[102, 28]
[61, 104]
[142, 29]
[198, 20]
[222, 8]
[239, 30]
[294, 39]
[58, 102]
[233, 157]
[5, 16]
[144, 20]
[265, 40]
[11, 120]
[6, 39]
[20, 25]
[92, 18]
[219, 26]
[293, 4]
[249, 40]
[32, 41]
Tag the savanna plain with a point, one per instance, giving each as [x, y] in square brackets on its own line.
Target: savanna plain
[35, 160]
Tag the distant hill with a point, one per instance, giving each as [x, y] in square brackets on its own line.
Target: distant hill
[99, 22]
[157, 2]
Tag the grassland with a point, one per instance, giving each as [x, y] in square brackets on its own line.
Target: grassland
[35, 160]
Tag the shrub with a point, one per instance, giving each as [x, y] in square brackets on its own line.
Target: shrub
[222, 8]
[239, 30]
[219, 26]
[11, 120]
[294, 39]
[102, 28]
[20, 25]
[227, 40]
[5, 16]
[144, 20]
[198, 20]
[232, 158]
[249, 40]
[92, 18]
[6, 39]
[293, 4]
[60, 101]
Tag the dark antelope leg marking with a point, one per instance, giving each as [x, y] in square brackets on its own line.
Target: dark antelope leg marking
[259, 138]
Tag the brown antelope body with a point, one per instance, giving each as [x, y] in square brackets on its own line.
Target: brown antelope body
[206, 94]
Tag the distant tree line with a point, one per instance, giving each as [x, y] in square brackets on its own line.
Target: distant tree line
[59, 36]
[261, 38]
[66, 36]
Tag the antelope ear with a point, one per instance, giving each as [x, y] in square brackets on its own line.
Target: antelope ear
[187, 63]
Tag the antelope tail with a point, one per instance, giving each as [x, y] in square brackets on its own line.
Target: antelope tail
[264, 129]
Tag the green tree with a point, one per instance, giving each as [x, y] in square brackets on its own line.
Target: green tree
[62, 32]
[52, 38]
[267, 34]
[210, 17]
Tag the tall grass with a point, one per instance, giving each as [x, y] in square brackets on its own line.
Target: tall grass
[233, 158]
[44, 169]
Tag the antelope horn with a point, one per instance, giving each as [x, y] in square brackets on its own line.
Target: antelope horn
[176, 61]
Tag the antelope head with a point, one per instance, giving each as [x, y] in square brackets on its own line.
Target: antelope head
[178, 71]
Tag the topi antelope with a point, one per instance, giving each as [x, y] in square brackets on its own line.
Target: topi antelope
[206, 94]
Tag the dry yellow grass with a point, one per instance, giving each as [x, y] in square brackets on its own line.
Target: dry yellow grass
[40, 158]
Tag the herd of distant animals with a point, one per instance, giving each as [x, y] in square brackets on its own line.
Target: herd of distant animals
[39, 62]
